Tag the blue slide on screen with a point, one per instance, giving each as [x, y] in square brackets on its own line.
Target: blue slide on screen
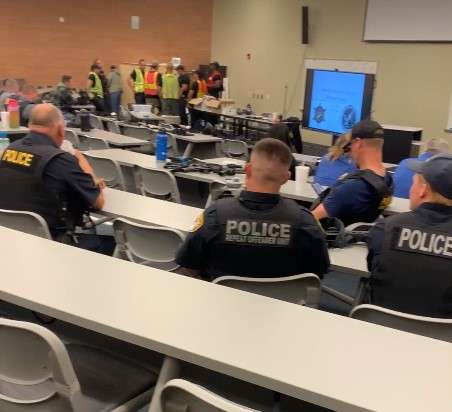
[336, 100]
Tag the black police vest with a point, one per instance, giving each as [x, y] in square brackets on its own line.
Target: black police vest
[415, 267]
[22, 188]
[381, 200]
[260, 243]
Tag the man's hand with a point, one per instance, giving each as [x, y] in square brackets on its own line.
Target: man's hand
[100, 182]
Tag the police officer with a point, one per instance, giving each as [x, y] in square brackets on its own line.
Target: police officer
[363, 195]
[410, 254]
[259, 234]
[36, 175]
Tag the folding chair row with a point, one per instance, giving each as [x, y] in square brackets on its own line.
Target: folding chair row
[157, 183]
[89, 143]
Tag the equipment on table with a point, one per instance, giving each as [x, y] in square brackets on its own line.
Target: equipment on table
[339, 236]
[186, 165]
[85, 124]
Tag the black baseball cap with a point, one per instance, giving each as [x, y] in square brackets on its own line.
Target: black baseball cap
[437, 171]
[367, 129]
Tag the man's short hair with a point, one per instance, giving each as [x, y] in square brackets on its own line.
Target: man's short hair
[273, 150]
[180, 67]
[367, 129]
[66, 78]
[437, 145]
[95, 67]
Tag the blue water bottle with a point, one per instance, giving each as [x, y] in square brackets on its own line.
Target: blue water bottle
[4, 143]
[161, 152]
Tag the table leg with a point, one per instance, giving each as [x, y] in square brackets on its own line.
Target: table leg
[170, 370]
[188, 150]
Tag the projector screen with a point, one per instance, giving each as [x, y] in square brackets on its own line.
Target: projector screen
[335, 100]
[408, 20]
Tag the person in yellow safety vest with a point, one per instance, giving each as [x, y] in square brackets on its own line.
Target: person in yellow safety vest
[152, 87]
[170, 92]
[95, 89]
[137, 80]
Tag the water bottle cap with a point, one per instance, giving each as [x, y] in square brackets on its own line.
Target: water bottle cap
[12, 104]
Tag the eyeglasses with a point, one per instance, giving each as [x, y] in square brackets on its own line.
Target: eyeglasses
[348, 146]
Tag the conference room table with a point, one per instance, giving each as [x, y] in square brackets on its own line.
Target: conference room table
[291, 189]
[113, 139]
[198, 145]
[150, 211]
[15, 131]
[277, 345]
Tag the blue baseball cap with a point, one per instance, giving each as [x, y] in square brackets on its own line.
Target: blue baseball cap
[437, 171]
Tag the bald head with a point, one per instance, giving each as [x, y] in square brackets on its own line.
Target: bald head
[47, 119]
[45, 115]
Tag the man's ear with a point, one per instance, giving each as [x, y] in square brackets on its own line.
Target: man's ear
[424, 190]
[287, 177]
[248, 170]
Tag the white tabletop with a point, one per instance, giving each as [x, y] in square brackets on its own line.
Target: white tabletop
[148, 210]
[291, 189]
[112, 138]
[402, 128]
[281, 346]
[20, 130]
[197, 138]
[146, 115]
[351, 259]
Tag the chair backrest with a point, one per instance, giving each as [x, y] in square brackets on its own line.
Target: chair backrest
[36, 372]
[218, 190]
[109, 170]
[300, 289]
[27, 222]
[431, 327]
[156, 183]
[139, 132]
[112, 126]
[71, 136]
[95, 143]
[181, 395]
[96, 122]
[147, 244]
[234, 148]
[124, 114]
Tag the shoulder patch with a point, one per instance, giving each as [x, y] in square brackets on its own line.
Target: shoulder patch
[198, 223]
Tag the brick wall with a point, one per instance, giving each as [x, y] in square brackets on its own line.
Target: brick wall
[34, 45]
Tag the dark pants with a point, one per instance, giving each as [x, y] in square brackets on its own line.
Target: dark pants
[154, 101]
[115, 98]
[170, 107]
[99, 104]
[140, 98]
[183, 111]
[96, 243]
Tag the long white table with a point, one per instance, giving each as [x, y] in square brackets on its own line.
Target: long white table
[114, 139]
[20, 130]
[277, 345]
[290, 190]
[199, 145]
[147, 210]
